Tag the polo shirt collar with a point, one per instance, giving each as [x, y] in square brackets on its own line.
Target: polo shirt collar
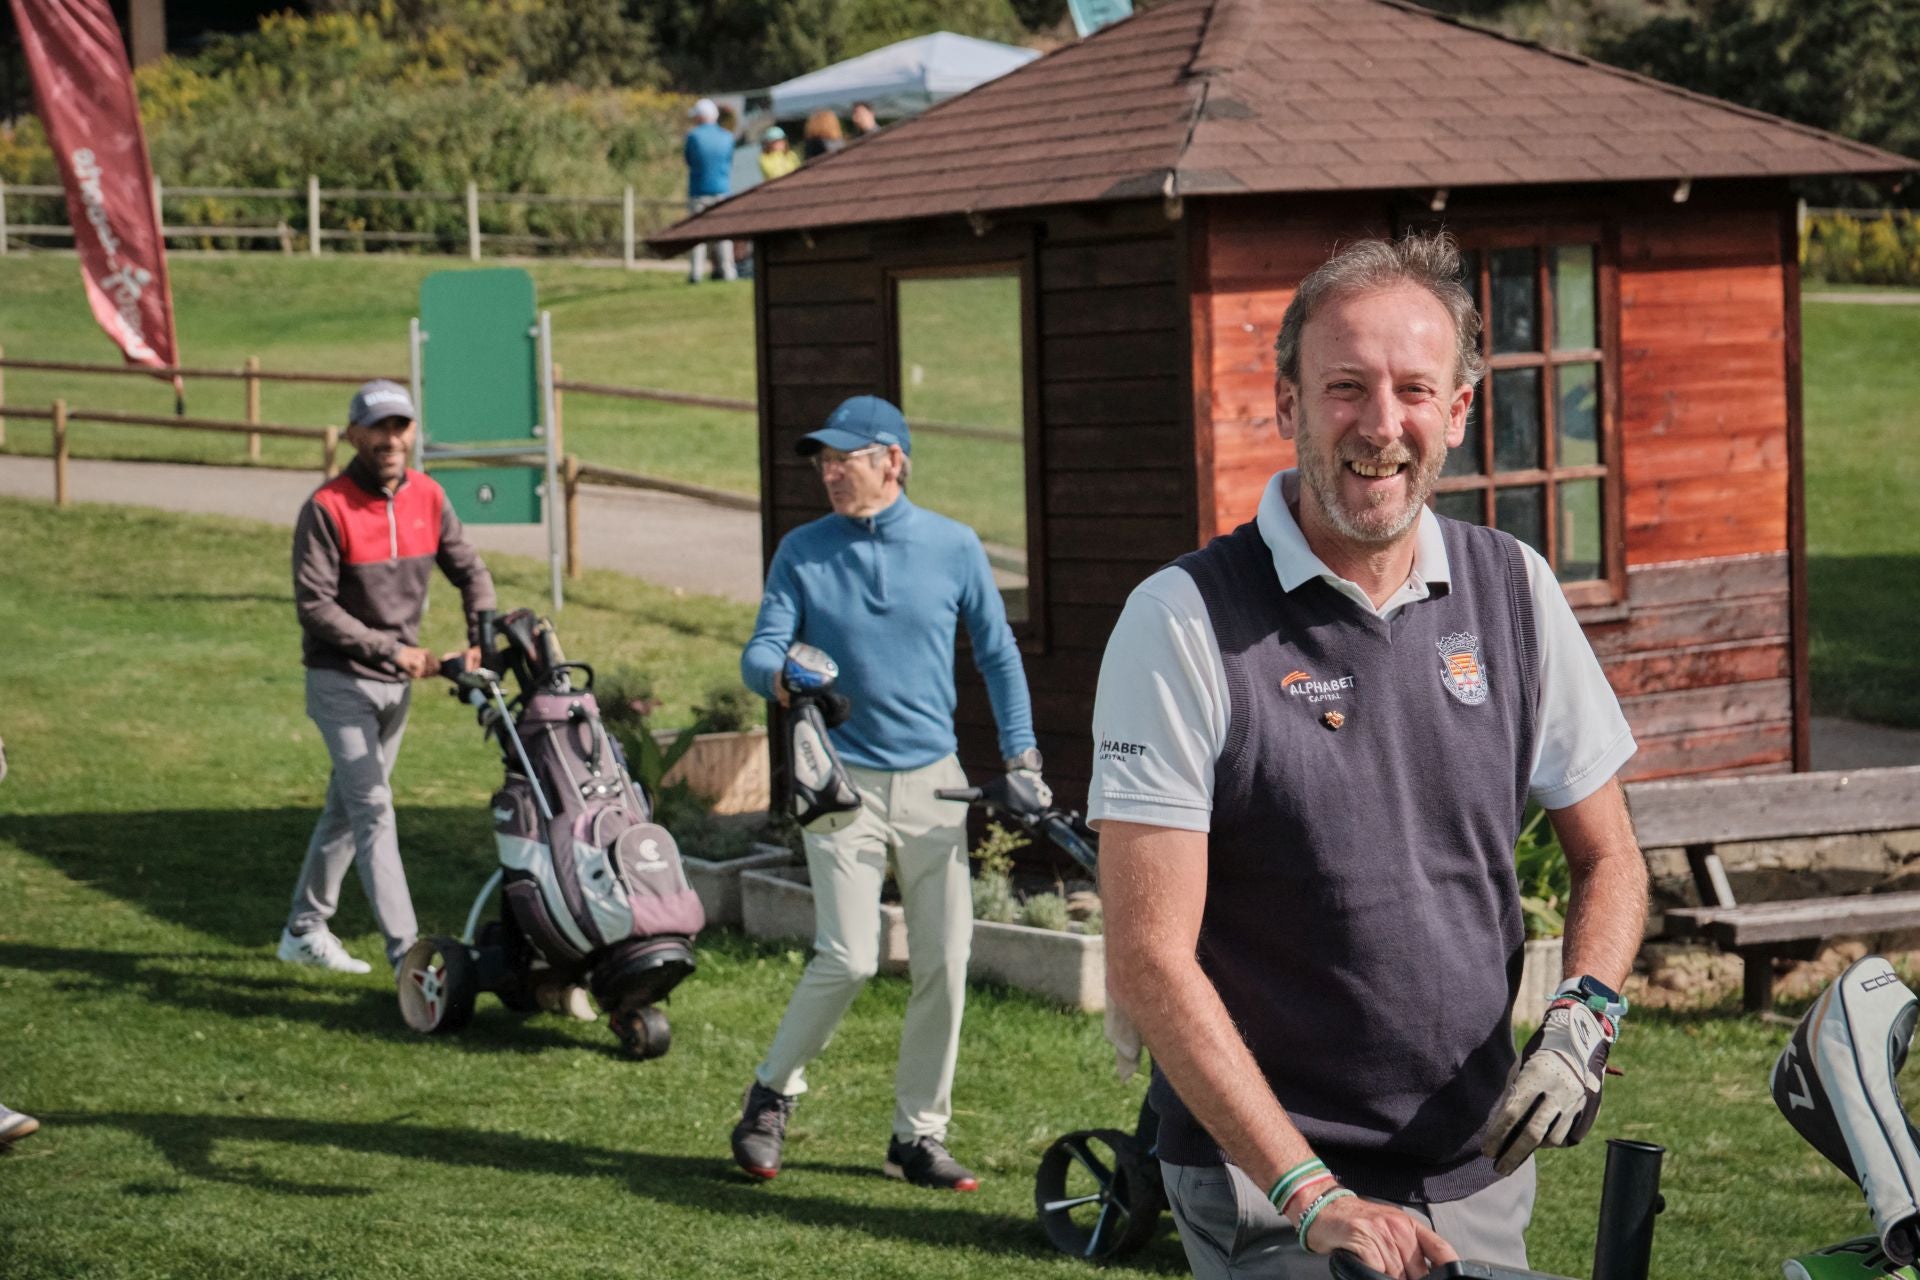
[1294, 561]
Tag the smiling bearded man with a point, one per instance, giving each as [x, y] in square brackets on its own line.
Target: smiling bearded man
[1334, 718]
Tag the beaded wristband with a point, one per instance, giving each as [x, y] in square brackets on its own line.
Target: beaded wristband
[1290, 1180]
[1313, 1211]
[1306, 1191]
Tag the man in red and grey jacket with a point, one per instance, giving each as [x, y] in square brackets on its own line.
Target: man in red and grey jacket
[363, 554]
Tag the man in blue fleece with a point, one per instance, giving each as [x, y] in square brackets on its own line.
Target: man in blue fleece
[879, 585]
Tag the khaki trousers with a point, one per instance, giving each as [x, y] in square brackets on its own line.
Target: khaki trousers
[927, 837]
[1229, 1229]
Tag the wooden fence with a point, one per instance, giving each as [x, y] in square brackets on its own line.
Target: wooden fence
[313, 233]
[573, 471]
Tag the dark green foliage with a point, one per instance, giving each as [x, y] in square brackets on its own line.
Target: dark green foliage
[749, 43]
[1045, 15]
[728, 708]
[1843, 65]
[586, 43]
[1540, 865]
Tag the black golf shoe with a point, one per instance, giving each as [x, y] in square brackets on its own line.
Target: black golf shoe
[762, 1130]
[924, 1162]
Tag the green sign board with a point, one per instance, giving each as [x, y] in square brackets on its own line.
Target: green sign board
[1091, 15]
[479, 356]
[493, 495]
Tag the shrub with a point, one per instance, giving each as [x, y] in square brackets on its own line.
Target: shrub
[728, 708]
[1045, 911]
[993, 898]
[1846, 250]
[1541, 867]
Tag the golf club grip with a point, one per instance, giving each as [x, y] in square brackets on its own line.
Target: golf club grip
[965, 795]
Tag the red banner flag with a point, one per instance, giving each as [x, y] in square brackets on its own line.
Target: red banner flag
[83, 86]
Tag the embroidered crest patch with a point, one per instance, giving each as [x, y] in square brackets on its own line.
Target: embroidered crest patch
[1460, 668]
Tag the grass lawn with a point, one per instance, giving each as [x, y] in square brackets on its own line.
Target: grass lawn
[210, 1113]
[1863, 508]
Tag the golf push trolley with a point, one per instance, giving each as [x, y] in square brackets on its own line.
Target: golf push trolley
[593, 896]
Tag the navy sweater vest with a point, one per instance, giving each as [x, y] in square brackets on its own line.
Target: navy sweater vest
[1362, 921]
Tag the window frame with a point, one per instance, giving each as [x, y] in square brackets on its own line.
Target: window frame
[1605, 594]
[999, 253]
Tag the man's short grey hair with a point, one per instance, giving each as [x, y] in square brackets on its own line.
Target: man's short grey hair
[906, 468]
[1430, 261]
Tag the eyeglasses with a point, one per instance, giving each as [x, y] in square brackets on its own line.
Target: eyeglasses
[827, 458]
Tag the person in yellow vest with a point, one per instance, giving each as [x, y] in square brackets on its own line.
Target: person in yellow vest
[777, 158]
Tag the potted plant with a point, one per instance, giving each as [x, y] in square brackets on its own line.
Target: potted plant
[1036, 942]
[1545, 884]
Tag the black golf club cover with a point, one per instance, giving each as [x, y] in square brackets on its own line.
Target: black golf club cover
[1835, 1082]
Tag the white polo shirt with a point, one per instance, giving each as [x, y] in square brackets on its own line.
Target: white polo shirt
[1160, 716]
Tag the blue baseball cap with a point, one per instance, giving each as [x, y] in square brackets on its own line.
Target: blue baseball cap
[857, 423]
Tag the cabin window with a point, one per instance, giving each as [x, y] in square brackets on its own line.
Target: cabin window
[961, 378]
[1537, 460]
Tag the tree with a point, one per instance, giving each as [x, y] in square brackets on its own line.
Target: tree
[1848, 66]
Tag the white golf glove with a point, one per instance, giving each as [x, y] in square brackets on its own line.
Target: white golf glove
[1553, 1093]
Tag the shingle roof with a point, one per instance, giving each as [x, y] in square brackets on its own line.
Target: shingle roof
[1199, 97]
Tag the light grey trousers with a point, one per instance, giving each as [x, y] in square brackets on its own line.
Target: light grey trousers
[928, 838]
[722, 249]
[362, 722]
[1230, 1230]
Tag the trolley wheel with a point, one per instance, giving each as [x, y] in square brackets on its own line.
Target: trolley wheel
[1095, 1196]
[437, 982]
[514, 991]
[643, 1030]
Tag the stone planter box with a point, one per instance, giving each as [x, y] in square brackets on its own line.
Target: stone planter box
[1067, 967]
[733, 769]
[1539, 975]
[718, 883]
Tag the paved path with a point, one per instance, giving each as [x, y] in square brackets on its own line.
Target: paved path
[1910, 298]
[662, 537]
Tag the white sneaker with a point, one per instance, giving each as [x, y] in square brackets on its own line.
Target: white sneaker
[321, 950]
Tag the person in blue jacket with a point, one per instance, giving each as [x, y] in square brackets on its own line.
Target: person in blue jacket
[709, 156]
[880, 585]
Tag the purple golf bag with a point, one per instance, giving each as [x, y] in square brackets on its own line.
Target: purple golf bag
[592, 891]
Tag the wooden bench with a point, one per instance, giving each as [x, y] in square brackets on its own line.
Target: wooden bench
[1697, 815]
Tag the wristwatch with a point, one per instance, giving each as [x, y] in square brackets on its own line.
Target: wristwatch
[1596, 995]
[1028, 759]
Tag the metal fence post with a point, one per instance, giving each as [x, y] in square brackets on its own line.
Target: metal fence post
[572, 486]
[253, 407]
[626, 227]
[559, 410]
[313, 215]
[159, 218]
[473, 221]
[59, 453]
[3, 217]
[330, 442]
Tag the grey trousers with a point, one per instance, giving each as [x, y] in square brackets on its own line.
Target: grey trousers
[362, 722]
[928, 838]
[1228, 1228]
[722, 249]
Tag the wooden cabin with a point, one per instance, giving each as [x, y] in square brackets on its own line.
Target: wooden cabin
[1149, 197]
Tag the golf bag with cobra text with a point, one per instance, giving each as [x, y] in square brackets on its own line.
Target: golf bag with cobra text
[592, 890]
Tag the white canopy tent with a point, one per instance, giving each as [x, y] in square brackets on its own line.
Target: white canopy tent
[900, 79]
